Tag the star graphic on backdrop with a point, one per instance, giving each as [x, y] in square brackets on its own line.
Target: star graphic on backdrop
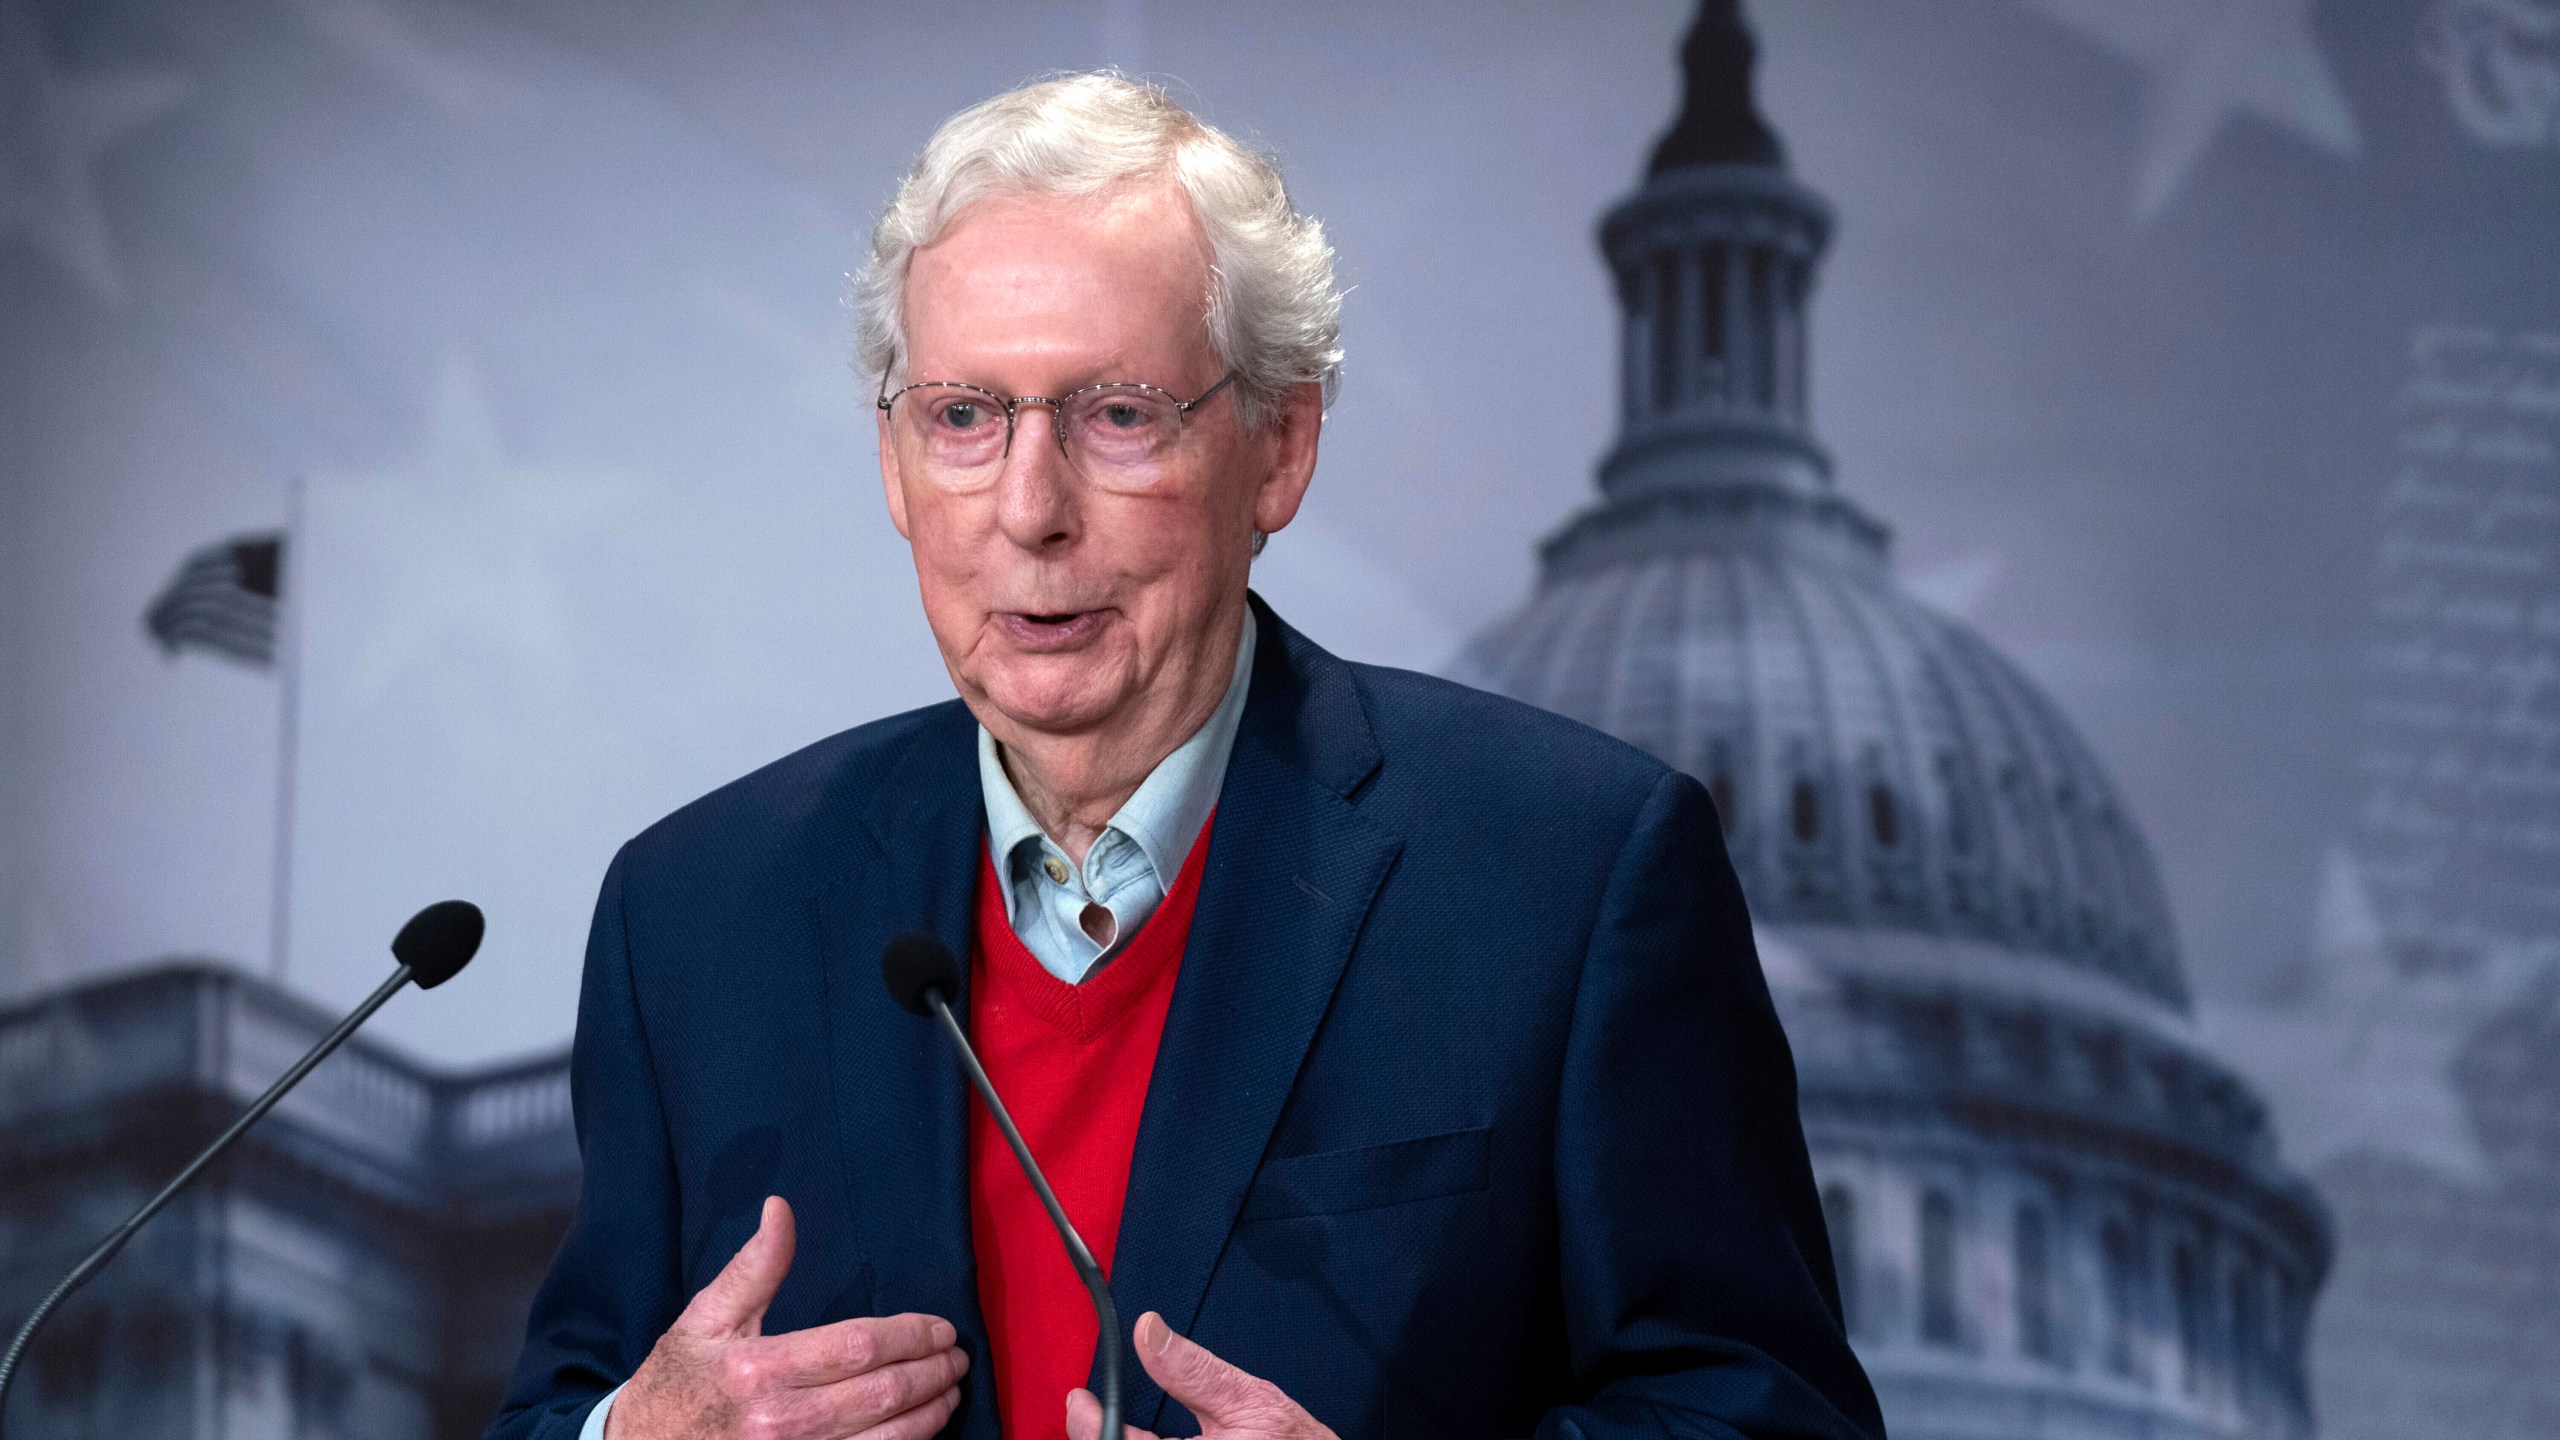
[457, 545]
[52, 130]
[2363, 1064]
[2204, 62]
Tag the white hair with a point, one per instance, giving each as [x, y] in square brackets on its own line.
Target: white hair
[1273, 312]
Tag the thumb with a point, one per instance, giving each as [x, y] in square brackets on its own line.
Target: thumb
[735, 1300]
[1217, 1394]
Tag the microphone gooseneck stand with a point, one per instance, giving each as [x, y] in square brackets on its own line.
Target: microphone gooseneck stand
[922, 975]
[427, 949]
[1077, 1254]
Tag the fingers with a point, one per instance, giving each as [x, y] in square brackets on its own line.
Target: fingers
[890, 1390]
[1217, 1393]
[735, 1300]
[890, 1401]
[1084, 1418]
[829, 1353]
[843, 1411]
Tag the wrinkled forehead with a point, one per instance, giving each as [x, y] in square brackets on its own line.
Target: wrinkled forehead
[1120, 275]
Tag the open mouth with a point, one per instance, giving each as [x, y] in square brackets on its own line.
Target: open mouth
[1051, 629]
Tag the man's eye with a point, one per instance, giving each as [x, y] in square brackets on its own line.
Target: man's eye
[1123, 417]
[963, 415]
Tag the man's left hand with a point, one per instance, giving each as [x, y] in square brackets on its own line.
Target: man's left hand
[1228, 1403]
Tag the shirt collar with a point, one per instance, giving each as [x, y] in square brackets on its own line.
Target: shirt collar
[1163, 817]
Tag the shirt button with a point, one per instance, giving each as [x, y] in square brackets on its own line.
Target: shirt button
[1054, 868]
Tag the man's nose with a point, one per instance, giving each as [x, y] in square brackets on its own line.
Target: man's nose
[1036, 493]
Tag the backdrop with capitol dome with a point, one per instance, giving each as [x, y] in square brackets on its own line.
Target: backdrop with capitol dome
[2078, 482]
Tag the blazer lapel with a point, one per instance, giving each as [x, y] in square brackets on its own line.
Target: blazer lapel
[1292, 869]
[901, 1101]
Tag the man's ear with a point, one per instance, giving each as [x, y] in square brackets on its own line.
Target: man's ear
[890, 486]
[1292, 435]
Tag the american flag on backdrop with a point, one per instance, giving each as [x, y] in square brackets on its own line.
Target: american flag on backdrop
[223, 600]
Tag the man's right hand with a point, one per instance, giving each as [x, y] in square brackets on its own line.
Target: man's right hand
[715, 1374]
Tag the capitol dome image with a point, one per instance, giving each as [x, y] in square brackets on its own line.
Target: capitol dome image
[2054, 1213]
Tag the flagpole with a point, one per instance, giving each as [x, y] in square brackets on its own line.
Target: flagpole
[289, 578]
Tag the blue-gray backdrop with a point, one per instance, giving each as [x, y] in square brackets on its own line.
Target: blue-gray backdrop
[2205, 354]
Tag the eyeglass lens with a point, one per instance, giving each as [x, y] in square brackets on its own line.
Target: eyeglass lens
[1118, 436]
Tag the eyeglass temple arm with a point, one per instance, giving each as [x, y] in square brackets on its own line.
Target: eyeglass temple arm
[1188, 406]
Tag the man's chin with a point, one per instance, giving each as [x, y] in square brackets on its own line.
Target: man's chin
[1053, 704]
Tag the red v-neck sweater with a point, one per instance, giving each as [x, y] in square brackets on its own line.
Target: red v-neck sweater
[1072, 1063]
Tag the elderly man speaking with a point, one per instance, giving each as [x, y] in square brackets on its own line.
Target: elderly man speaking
[1400, 1050]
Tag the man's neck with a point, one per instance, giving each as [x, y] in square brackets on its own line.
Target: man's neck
[1073, 789]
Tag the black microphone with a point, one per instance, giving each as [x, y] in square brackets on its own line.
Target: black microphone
[432, 948]
[923, 975]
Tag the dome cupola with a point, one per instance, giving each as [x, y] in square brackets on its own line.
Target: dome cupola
[1714, 258]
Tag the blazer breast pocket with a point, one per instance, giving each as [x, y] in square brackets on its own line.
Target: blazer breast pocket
[1369, 1177]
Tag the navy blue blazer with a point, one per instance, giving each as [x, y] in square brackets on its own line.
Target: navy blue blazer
[1471, 1117]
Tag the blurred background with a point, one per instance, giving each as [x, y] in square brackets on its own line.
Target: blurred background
[429, 453]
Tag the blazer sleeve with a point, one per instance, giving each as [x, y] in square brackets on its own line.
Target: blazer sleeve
[1698, 1289]
[616, 1284]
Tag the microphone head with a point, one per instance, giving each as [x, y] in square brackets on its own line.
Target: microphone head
[914, 966]
[438, 941]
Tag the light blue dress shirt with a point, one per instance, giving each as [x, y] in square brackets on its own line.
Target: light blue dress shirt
[1126, 870]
